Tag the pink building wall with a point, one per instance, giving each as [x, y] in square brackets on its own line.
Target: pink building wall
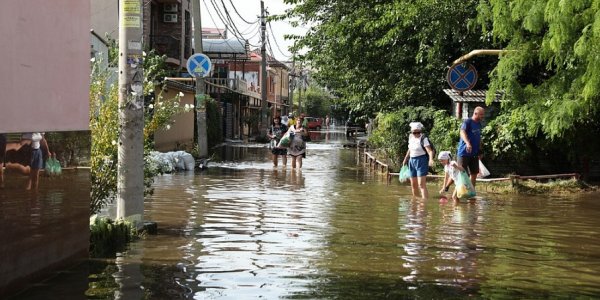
[44, 78]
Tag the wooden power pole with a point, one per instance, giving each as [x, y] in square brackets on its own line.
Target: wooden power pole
[263, 72]
[201, 122]
[130, 166]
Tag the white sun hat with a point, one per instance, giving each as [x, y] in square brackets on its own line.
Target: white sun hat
[444, 155]
[415, 126]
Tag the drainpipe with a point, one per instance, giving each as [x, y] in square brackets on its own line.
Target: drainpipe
[478, 53]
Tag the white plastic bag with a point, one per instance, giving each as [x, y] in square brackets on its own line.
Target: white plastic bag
[483, 171]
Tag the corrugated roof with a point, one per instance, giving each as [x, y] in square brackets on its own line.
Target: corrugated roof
[470, 96]
[224, 46]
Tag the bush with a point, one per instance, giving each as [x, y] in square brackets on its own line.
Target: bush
[108, 237]
[214, 125]
[104, 126]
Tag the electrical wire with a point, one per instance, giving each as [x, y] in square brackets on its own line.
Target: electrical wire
[229, 23]
[242, 18]
[230, 19]
[215, 23]
[277, 44]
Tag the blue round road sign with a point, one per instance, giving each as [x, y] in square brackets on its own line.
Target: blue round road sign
[462, 77]
[199, 65]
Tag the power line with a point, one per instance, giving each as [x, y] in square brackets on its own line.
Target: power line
[236, 11]
[277, 44]
[227, 22]
[215, 23]
[230, 18]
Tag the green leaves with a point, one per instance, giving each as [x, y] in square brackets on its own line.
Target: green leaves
[388, 53]
[553, 80]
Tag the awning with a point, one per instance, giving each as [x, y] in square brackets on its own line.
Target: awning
[476, 96]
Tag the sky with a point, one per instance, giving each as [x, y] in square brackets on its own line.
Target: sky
[250, 11]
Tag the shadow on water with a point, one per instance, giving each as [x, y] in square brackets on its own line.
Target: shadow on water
[244, 229]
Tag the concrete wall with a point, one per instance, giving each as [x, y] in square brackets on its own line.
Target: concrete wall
[44, 81]
[181, 134]
[46, 62]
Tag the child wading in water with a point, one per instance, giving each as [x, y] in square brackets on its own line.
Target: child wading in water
[451, 172]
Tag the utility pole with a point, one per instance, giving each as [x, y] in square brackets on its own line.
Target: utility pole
[130, 165]
[200, 87]
[300, 85]
[263, 71]
[292, 85]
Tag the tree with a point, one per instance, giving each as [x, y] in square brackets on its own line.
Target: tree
[551, 79]
[379, 56]
[317, 101]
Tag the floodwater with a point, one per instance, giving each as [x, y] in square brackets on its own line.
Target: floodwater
[244, 230]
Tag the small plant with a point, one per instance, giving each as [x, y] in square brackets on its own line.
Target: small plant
[107, 237]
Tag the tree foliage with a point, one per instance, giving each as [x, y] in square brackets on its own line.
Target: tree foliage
[552, 78]
[386, 54]
[317, 101]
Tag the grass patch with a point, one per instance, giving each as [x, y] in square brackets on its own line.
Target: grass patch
[532, 187]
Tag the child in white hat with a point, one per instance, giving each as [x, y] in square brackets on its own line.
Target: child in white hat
[451, 172]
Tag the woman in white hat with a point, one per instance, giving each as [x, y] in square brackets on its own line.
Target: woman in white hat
[419, 158]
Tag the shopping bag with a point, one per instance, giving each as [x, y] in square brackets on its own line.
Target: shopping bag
[483, 171]
[285, 141]
[404, 174]
[464, 187]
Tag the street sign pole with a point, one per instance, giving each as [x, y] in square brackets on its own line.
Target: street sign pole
[200, 87]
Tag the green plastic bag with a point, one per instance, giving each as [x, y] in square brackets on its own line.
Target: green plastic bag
[57, 167]
[404, 174]
[53, 166]
[285, 141]
[464, 187]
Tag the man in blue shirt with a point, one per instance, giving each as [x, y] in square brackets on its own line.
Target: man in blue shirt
[469, 146]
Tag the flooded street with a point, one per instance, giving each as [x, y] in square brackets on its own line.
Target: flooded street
[244, 230]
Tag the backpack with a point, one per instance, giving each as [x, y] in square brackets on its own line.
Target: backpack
[423, 137]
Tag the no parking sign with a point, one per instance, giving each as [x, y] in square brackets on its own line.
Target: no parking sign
[462, 77]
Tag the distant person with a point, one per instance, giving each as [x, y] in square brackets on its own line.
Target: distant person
[285, 120]
[291, 120]
[327, 120]
[419, 158]
[275, 133]
[297, 149]
[2, 154]
[469, 145]
[37, 158]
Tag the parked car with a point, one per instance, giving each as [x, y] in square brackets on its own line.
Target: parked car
[314, 123]
[354, 127]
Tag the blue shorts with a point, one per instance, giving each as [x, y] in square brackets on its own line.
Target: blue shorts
[418, 166]
[37, 161]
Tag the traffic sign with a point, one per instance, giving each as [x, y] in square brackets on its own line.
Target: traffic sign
[462, 77]
[199, 65]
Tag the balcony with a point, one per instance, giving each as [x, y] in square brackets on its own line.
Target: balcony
[217, 85]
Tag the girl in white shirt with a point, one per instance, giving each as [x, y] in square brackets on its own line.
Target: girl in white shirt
[451, 172]
[37, 159]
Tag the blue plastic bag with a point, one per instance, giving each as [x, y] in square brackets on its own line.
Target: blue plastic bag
[404, 174]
